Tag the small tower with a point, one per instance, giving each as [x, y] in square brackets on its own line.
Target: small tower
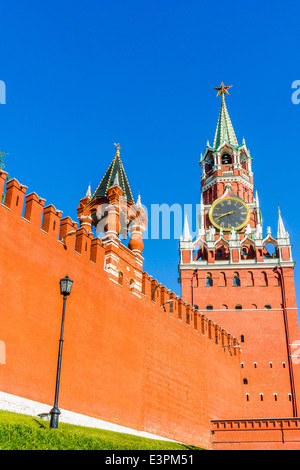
[111, 210]
[107, 208]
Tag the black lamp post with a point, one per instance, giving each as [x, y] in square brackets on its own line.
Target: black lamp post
[65, 290]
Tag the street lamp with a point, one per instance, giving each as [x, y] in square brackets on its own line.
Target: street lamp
[65, 290]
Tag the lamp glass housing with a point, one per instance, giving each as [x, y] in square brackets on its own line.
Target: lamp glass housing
[66, 286]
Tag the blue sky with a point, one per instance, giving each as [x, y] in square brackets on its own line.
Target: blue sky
[82, 75]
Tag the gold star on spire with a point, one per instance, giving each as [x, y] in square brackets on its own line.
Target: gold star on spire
[222, 89]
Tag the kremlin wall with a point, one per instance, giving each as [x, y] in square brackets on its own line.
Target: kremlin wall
[134, 353]
[126, 358]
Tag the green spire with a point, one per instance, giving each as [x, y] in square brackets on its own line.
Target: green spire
[224, 131]
[115, 173]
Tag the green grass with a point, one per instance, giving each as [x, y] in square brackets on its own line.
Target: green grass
[22, 432]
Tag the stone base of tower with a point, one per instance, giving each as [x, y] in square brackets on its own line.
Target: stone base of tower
[256, 434]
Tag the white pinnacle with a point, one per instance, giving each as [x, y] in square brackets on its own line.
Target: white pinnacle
[89, 192]
[186, 236]
[281, 232]
[139, 202]
[256, 200]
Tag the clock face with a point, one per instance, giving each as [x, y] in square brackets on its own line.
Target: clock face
[229, 213]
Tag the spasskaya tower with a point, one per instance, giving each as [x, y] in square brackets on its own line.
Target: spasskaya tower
[242, 277]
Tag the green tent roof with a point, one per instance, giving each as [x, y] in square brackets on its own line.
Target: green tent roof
[108, 179]
[224, 131]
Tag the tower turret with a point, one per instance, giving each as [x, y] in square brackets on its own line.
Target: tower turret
[244, 277]
[111, 208]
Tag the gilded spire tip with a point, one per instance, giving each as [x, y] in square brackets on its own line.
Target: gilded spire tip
[118, 147]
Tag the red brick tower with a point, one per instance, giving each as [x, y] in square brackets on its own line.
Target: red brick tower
[111, 210]
[244, 278]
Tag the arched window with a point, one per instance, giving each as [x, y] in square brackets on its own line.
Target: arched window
[271, 365]
[219, 253]
[131, 285]
[210, 165]
[247, 396]
[226, 159]
[225, 307]
[245, 381]
[269, 251]
[208, 281]
[250, 279]
[222, 280]
[242, 339]
[197, 254]
[261, 397]
[275, 396]
[255, 365]
[209, 307]
[267, 307]
[263, 279]
[283, 365]
[238, 307]
[236, 280]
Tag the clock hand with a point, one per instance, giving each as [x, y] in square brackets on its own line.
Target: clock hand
[222, 215]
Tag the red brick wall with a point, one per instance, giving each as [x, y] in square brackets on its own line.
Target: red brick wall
[263, 332]
[125, 358]
[255, 434]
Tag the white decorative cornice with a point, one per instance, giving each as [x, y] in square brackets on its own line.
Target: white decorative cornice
[223, 179]
[242, 264]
